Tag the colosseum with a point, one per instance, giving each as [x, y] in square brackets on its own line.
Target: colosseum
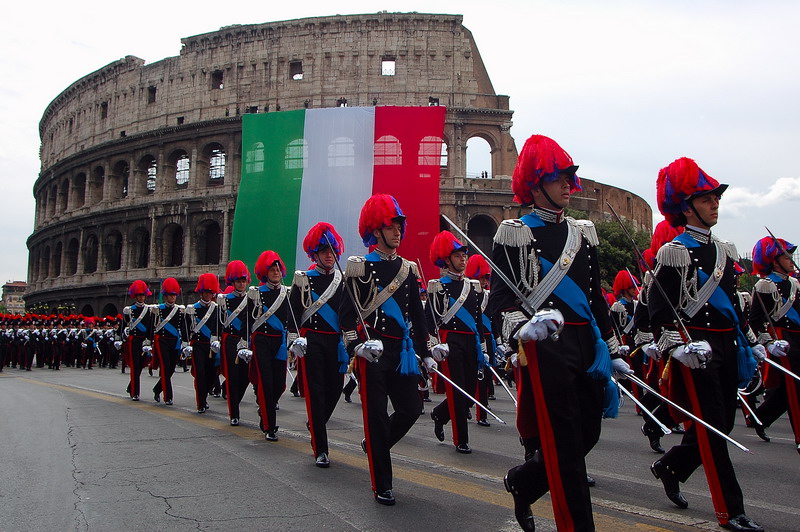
[140, 163]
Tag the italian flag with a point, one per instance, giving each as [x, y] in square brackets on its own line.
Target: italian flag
[320, 165]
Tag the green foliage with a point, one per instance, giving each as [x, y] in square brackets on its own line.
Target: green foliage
[616, 251]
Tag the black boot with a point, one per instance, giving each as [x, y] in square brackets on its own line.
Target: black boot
[671, 485]
[655, 439]
[743, 523]
[522, 509]
[760, 431]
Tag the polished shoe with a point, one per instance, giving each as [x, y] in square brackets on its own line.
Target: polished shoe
[491, 398]
[234, 421]
[364, 445]
[760, 432]
[463, 448]
[483, 423]
[590, 481]
[217, 394]
[135, 398]
[201, 410]
[323, 460]
[678, 429]
[522, 510]
[438, 428]
[168, 402]
[426, 399]
[207, 407]
[347, 399]
[655, 440]
[743, 523]
[671, 485]
[295, 394]
[385, 497]
[157, 397]
[271, 435]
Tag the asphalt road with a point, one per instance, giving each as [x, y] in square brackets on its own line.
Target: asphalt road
[77, 454]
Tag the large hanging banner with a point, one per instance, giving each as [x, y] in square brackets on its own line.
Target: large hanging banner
[320, 165]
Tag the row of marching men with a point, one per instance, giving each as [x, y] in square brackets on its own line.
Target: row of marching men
[52, 341]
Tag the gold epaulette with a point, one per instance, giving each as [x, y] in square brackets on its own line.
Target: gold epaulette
[673, 254]
[356, 266]
[513, 233]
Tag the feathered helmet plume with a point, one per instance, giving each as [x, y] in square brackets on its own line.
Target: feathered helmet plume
[766, 251]
[236, 270]
[624, 281]
[265, 262]
[139, 287]
[380, 210]
[663, 233]
[444, 244]
[207, 282]
[541, 160]
[477, 267]
[320, 236]
[678, 183]
[170, 286]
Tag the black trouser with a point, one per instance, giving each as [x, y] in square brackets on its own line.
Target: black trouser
[461, 366]
[349, 387]
[136, 360]
[322, 384]
[712, 397]
[168, 349]
[379, 382]
[202, 371]
[271, 378]
[483, 391]
[236, 374]
[654, 404]
[786, 395]
[568, 406]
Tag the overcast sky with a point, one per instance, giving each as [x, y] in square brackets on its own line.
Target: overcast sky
[625, 87]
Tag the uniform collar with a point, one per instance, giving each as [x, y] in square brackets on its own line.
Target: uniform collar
[703, 236]
[549, 216]
[387, 256]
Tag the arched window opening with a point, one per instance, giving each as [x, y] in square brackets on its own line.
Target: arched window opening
[479, 159]
[90, 254]
[57, 259]
[72, 256]
[87, 310]
[63, 196]
[121, 173]
[296, 154]
[149, 167]
[110, 310]
[208, 243]
[254, 159]
[182, 171]
[79, 190]
[45, 269]
[216, 167]
[172, 241]
[388, 151]
[341, 152]
[140, 248]
[481, 230]
[96, 185]
[113, 251]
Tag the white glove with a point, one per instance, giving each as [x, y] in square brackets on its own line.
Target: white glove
[83, 345]
[759, 351]
[245, 354]
[117, 345]
[620, 368]
[486, 359]
[370, 350]
[692, 355]
[502, 351]
[651, 350]
[215, 346]
[126, 311]
[541, 326]
[187, 351]
[440, 352]
[514, 360]
[299, 346]
[624, 350]
[430, 363]
[147, 350]
[778, 348]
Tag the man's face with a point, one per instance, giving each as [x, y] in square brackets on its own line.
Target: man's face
[457, 261]
[169, 299]
[557, 190]
[707, 207]
[326, 258]
[274, 274]
[784, 263]
[389, 236]
[206, 295]
[140, 298]
[240, 284]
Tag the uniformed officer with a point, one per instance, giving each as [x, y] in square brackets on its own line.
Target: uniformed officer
[136, 329]
[479, 270]
[204, 329]
[170, 337]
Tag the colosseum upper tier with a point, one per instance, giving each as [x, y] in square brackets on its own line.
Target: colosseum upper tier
[140, 163]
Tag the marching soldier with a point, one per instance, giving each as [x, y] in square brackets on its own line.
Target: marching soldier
[552, 260]
[170, 337]
[387, 295]
[453, 313]
[235, 314]
[779, 331]
[269, 329]
[204, 329]
[697, 274]
[136, 330]
[321, 356]
[479, 270]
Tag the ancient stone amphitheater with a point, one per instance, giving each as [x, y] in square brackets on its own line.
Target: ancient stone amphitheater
[140, 163]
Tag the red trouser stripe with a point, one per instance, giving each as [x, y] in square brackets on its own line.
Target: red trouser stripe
[792, 400]
[362, 390]
[561, 511]
[301, 374]
[224, 349]
[262, 395]
[451, 400]
[128, 353]
[717, 497]
[157, 349]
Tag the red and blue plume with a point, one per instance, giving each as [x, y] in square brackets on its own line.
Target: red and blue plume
[380, 210]
[610, 299]
[649, 260]
[444, 244]
[737, 268]
[170, 286]
[207, 281]
[678, 182]
[139, 287]
[477, 267]
[663, 233]
[265, 262]
[624, 281]
[541, 160]
[236, 270]
[766, 251]
[320, 236]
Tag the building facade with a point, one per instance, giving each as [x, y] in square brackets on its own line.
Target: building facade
[13, 297]
[141, 162]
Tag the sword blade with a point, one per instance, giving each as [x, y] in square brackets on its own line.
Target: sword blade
[788, 372]
[747, 407]
[644, 409]
[503, 384]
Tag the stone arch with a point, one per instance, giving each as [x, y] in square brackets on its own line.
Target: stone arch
[172, 245]
[481, 229]
[90, 254]
[43, 204]
[53, 201]
[147, 173]
[96, 185]
[45, 267]
[208, 242]
[79, 190]
[118, 180]
[214, 158]
[58, 251]
[87, 310]
[109, 309]
[478, 154]
[63, 197]
[73, 248]
[113, 250]
[139, 248]
[179, 167]
[34, 264]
